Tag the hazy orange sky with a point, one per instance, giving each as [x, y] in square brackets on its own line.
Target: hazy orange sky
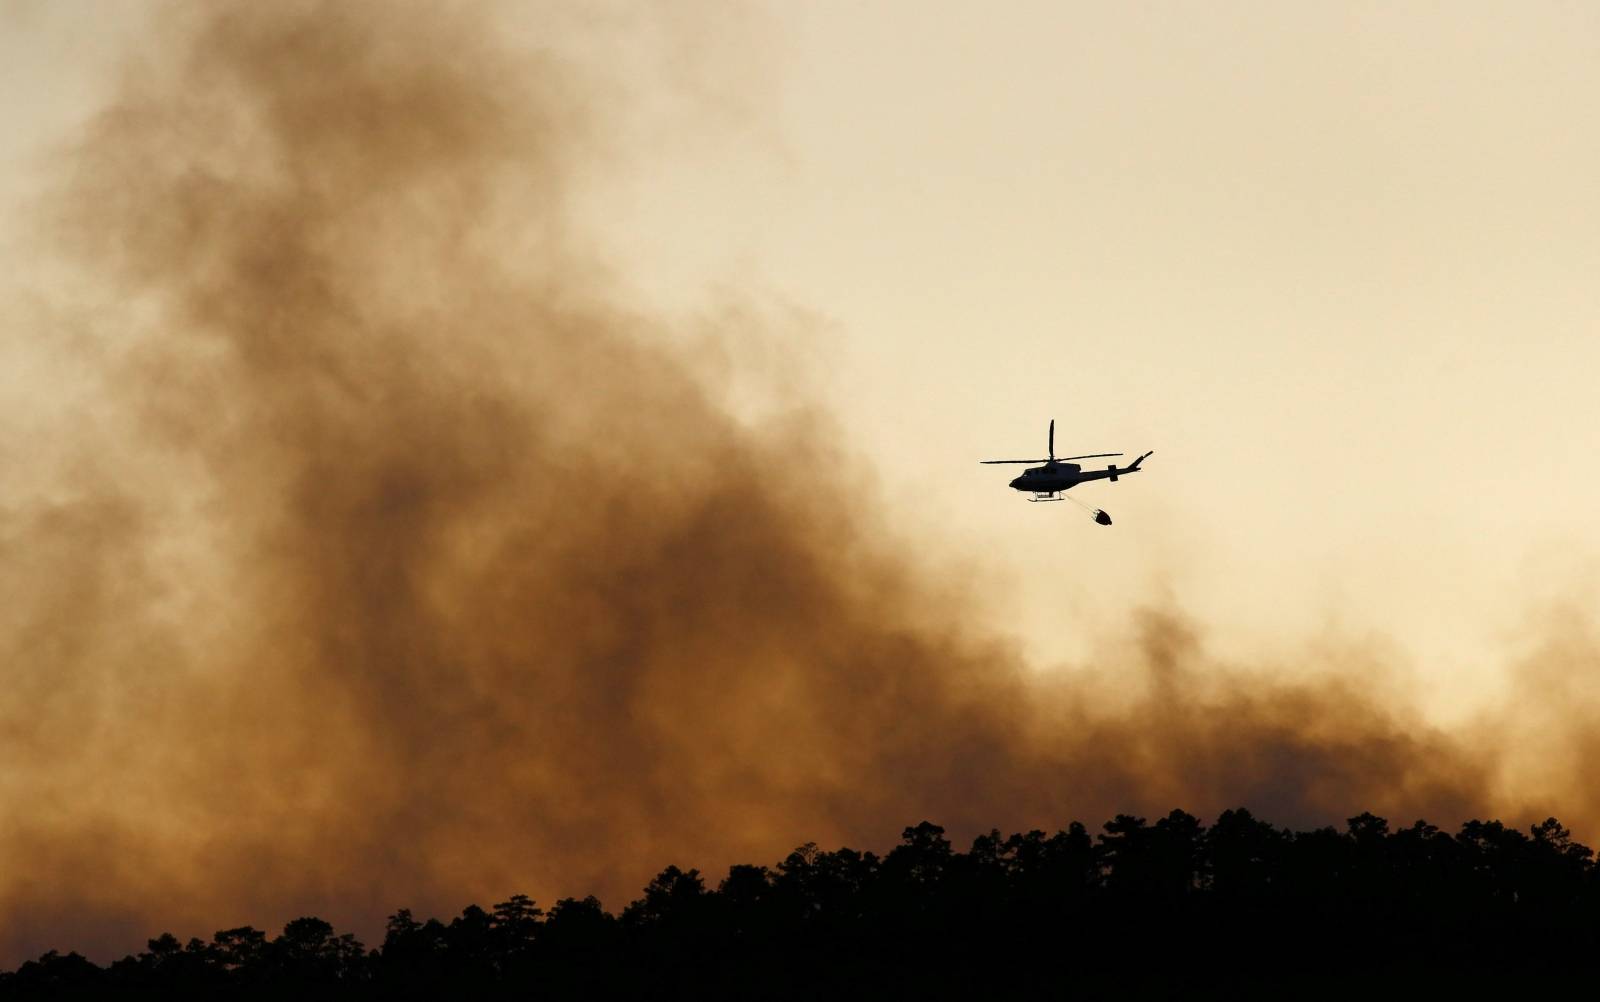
[1333, 263]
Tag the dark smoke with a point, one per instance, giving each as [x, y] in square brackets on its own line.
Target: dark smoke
[398, 562]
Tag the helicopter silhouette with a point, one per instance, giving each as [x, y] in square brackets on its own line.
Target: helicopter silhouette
[1047, 482]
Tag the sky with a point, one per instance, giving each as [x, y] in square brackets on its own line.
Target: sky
[1330, 261]
[438, 422]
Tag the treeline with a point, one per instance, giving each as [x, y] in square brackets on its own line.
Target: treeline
[1149, 909]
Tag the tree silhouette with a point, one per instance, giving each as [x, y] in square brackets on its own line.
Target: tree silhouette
[1141, 909]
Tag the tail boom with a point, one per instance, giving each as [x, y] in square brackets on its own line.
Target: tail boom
[1111, 472]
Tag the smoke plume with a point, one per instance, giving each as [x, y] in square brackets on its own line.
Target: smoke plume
[390, 557]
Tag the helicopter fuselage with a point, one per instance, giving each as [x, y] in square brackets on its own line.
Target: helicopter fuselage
[1054, 477]
[1049, 478]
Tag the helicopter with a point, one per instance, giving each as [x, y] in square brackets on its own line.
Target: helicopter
[1047, 482]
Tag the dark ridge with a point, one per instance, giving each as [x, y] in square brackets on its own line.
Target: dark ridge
[1241, 907]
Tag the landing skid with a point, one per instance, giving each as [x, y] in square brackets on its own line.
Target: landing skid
[1046, 497]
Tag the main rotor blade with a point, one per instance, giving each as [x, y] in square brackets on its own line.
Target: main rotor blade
[1013, 460]
[1092, 455]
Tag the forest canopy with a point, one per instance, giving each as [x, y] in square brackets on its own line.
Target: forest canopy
[1141, 905]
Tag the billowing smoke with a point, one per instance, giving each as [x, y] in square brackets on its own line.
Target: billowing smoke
[391, 559]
